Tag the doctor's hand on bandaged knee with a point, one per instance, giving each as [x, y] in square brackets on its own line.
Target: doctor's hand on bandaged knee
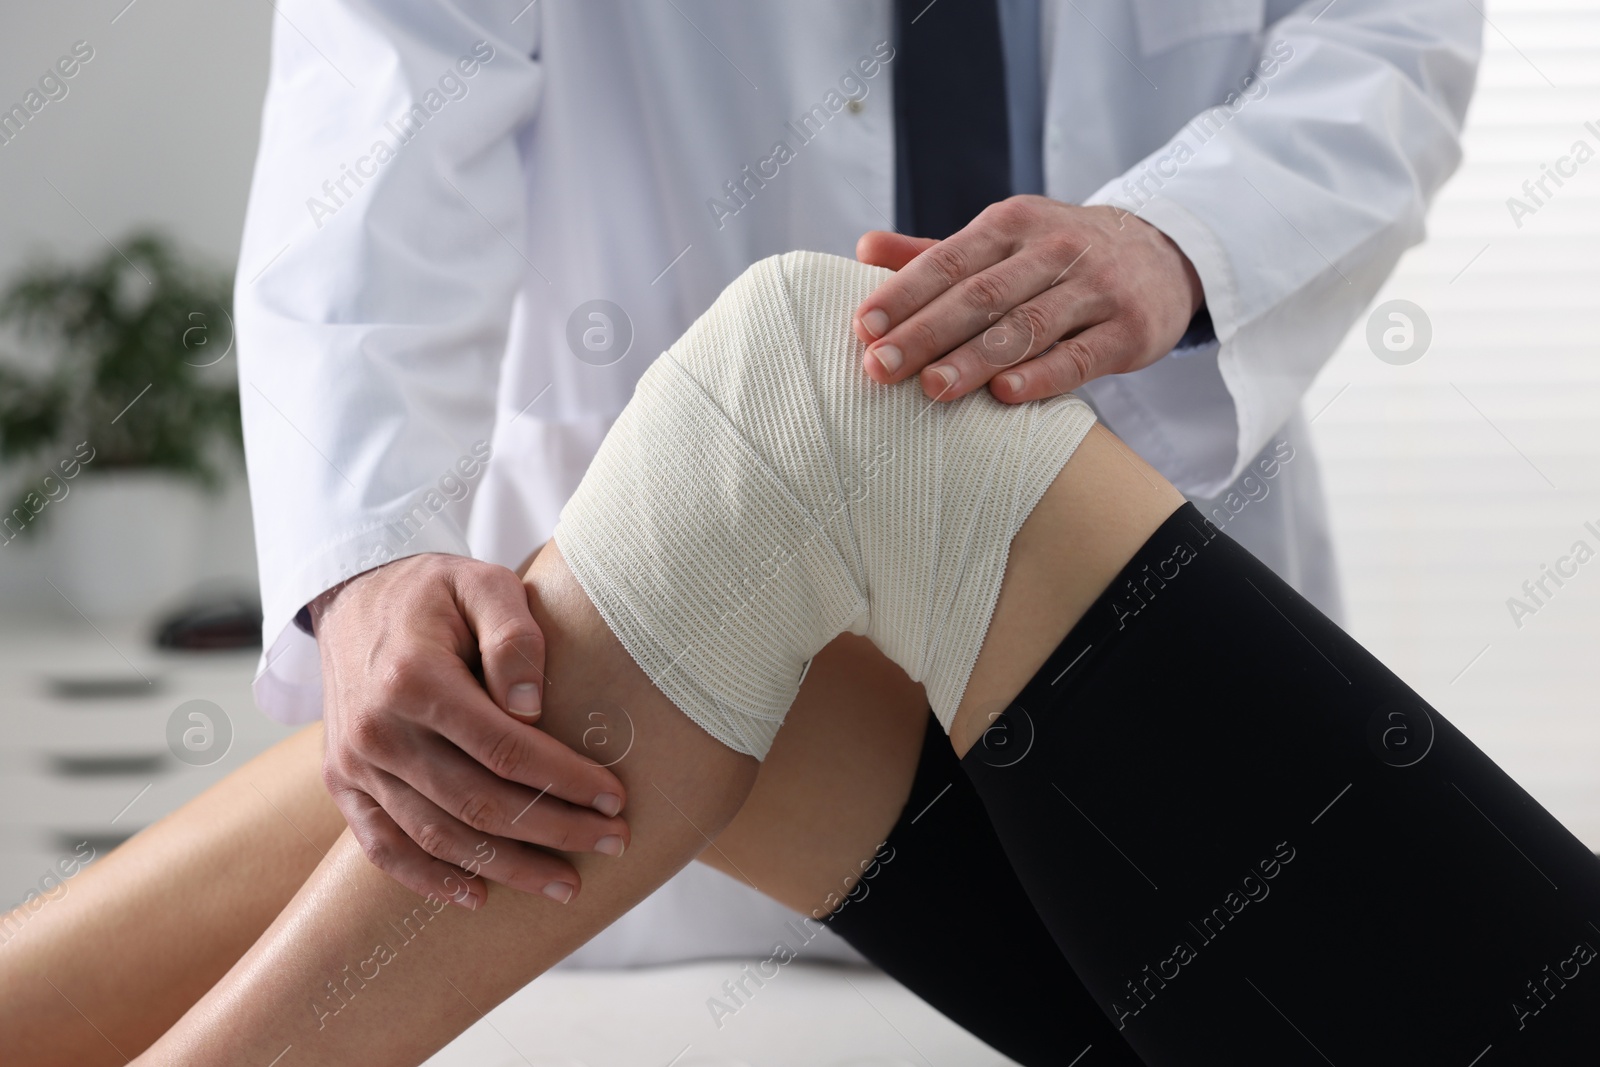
[1034, 297]
[434, 771]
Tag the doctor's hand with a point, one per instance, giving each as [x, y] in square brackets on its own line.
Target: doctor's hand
[436, 773]
[1033, 297]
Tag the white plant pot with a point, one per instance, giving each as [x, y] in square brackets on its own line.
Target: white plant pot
[126, 544]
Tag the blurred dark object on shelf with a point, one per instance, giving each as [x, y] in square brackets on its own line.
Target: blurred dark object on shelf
[220, 622]
[94, 687]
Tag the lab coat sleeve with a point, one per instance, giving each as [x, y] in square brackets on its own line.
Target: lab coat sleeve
[1295, 199]
[376, 278]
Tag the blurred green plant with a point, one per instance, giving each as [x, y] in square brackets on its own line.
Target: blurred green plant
[137, 341]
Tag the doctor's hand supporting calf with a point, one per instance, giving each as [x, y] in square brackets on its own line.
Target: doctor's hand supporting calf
[1034, 298]
[433, 771]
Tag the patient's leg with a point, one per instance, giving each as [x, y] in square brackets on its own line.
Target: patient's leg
[845, 823]
[832, 785]
[97, 974]
[863, 819]
[357, 970]
[185, 898]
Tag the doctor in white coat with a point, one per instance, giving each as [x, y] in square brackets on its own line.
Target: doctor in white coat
[473, 223]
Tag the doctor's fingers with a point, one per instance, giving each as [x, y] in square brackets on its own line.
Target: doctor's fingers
[1104, 348]
[494, 603]
[888, 248]
[1011, 251]
[956, 272]
[434, 856]
[986, 322]
[1008, 337]
[504, 746]
[488, 804]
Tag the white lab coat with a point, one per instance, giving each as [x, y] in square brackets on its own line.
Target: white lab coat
[402, 309]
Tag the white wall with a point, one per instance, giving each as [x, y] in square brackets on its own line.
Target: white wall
[1437, 470]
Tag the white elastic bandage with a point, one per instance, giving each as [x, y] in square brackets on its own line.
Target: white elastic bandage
[760, 496]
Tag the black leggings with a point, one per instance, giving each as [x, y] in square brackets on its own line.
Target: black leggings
[945, 916]
[1249, 842]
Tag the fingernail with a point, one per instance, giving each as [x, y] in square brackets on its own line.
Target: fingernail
[560, 892]
[523, 698]
[1013, 382]
[610, 844]
[875, 322]
[943, 377]
[888, 357]
[607, 804]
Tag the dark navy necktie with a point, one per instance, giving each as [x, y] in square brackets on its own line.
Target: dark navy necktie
[952, 145]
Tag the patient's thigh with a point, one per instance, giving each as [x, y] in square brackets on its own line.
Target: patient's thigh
[834, 783]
